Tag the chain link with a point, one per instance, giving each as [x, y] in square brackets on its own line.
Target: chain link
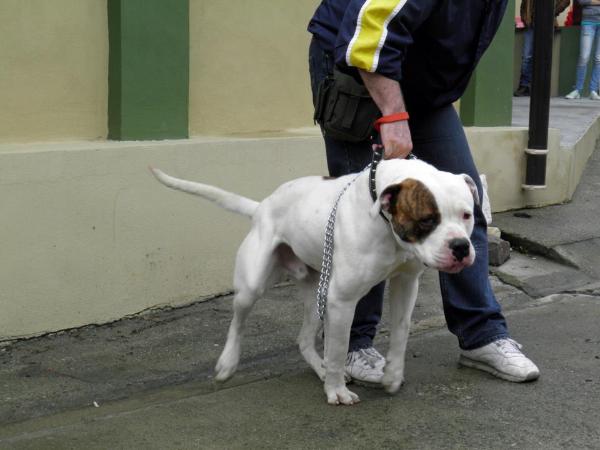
[327, 262]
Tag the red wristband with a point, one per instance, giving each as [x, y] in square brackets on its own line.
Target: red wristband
[397, 117]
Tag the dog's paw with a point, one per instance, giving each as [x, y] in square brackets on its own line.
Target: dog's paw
[341, 395]
[223, 373]
[392, 380]
[225, 368]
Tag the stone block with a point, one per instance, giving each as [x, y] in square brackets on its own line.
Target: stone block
[498, 250]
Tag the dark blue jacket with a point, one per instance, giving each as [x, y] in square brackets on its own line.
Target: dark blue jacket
[430, 46]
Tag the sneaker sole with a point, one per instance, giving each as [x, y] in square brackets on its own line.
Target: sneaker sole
[350, 379]
[467, 362]
[369, 384]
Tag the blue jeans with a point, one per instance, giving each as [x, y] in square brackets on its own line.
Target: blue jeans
[471, 310]
[589, 34]
[527, 58]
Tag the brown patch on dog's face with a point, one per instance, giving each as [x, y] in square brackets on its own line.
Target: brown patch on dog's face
[414, 211]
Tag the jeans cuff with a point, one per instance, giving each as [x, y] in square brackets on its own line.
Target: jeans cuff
[483, 342]
[360, 343]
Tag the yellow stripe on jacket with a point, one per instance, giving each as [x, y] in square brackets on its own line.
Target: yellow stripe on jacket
[371, 32]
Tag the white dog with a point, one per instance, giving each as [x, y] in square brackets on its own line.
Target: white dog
[430, 220]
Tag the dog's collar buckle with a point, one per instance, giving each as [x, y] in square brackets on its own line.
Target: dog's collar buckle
[377, 157]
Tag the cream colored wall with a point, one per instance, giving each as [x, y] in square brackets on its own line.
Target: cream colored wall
[53, 70]
[89, 236]
[249, 65]
[499, 153]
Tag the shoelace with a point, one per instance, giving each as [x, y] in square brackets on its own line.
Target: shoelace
[509, 345]
[369, 355]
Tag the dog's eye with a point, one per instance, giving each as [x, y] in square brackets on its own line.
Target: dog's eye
[428, 222]
[466, 216]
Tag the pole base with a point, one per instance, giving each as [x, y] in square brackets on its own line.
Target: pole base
[533, 187]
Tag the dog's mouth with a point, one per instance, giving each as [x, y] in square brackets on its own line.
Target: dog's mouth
[454, 268]
[450, 264]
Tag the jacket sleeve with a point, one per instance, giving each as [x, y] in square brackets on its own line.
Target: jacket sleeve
[375, 34]
[584, 2]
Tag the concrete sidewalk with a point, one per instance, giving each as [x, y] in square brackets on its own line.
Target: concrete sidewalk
[441, 405]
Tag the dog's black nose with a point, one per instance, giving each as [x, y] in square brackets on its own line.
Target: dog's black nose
[460, 248]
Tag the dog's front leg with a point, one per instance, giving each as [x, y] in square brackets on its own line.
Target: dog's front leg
[338, 321]
[403, 290]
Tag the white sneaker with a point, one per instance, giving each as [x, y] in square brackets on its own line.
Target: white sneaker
[573, 95]
[365, 365]
[594, 95]
[502, 358]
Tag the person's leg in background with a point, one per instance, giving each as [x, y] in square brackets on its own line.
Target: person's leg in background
[524, 88]
[364, 363]
[472, 312]
[586, 40]
[595, 79]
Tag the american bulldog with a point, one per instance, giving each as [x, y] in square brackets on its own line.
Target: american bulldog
[429, 221]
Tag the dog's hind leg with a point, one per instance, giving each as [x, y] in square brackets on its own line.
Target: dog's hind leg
[254, 266]
[311, 325]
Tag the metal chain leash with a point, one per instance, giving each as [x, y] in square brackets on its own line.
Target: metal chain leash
[327, 261]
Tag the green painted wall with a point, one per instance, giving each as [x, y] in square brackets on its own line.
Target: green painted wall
[148, 69]
[488, 99]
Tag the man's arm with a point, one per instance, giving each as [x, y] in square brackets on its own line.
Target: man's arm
[373, 38]
[387, 94]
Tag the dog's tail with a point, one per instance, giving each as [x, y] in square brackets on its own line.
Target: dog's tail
[228, 200]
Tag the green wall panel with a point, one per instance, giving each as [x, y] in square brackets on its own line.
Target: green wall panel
[569, 53]
[148, 69]
[488, 98]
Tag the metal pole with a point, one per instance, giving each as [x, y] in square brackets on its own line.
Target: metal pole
[539, 107]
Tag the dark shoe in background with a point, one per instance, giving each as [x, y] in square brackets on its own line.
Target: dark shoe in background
[522, 91]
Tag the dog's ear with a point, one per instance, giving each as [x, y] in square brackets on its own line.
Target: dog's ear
[387, 200]
[472, 187]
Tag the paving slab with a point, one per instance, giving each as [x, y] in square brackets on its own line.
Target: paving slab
[440, 406]
[583, 254]
[538, 276]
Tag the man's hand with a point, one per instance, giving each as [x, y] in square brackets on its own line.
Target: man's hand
[386, 93]
[396, 139]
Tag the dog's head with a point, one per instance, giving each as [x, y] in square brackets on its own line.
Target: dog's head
[433, 218]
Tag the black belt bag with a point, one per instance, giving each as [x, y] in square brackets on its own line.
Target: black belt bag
[344, 108]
